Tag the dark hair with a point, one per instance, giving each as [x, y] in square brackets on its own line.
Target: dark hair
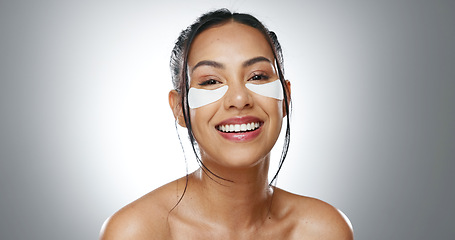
[179, 60]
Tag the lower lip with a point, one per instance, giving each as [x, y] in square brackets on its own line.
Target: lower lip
[241, 136]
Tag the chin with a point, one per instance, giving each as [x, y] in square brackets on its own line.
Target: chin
[240, 160]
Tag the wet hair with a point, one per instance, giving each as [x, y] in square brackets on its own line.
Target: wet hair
[180, 78]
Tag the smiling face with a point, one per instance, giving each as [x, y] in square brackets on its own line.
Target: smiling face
[240, 128]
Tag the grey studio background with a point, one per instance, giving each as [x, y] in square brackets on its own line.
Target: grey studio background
[86, 128]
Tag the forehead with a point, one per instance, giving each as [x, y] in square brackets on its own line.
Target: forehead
[229, 42]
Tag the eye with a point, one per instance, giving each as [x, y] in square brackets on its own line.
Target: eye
[259, 77]
[209, 82]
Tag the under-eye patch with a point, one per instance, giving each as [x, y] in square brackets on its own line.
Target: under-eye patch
[201, 97]
[271, 89]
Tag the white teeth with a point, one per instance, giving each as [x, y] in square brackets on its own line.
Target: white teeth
[239, 127]
[243, 127]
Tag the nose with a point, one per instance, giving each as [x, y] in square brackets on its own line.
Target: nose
[238, 96]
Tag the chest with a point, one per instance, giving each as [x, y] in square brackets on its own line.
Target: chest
[185, 230]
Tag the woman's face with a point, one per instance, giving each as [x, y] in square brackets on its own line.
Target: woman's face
[232, 55]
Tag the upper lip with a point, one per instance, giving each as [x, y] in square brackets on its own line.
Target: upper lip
[240, 120]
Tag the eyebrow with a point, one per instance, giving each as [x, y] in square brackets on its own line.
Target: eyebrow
[256, 60]
[215, 64]
[208, 63]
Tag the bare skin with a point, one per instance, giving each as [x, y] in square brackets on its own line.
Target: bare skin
[285, 216]
[243, 206]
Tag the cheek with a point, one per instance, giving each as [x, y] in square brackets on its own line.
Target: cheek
[272, 107]
[200, 119]
[276, 114]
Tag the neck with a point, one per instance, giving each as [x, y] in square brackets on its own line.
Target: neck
[241, 201]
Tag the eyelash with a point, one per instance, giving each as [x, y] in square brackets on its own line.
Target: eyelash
[262, 77]
[209, 82]
[254, 78]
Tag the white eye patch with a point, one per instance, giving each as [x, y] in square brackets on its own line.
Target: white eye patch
[201, 97]
[271, 89]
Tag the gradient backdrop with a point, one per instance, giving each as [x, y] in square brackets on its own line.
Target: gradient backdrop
[86, 128]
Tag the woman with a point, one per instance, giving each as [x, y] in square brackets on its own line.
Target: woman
[231, 95]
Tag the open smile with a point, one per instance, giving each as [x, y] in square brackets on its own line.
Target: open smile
[229, 128]
[240, 129]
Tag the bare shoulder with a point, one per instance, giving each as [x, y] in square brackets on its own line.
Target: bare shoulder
[315, 219]
[145, 218]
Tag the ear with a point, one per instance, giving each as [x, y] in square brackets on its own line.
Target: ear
[175, 101]
[288, 96]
